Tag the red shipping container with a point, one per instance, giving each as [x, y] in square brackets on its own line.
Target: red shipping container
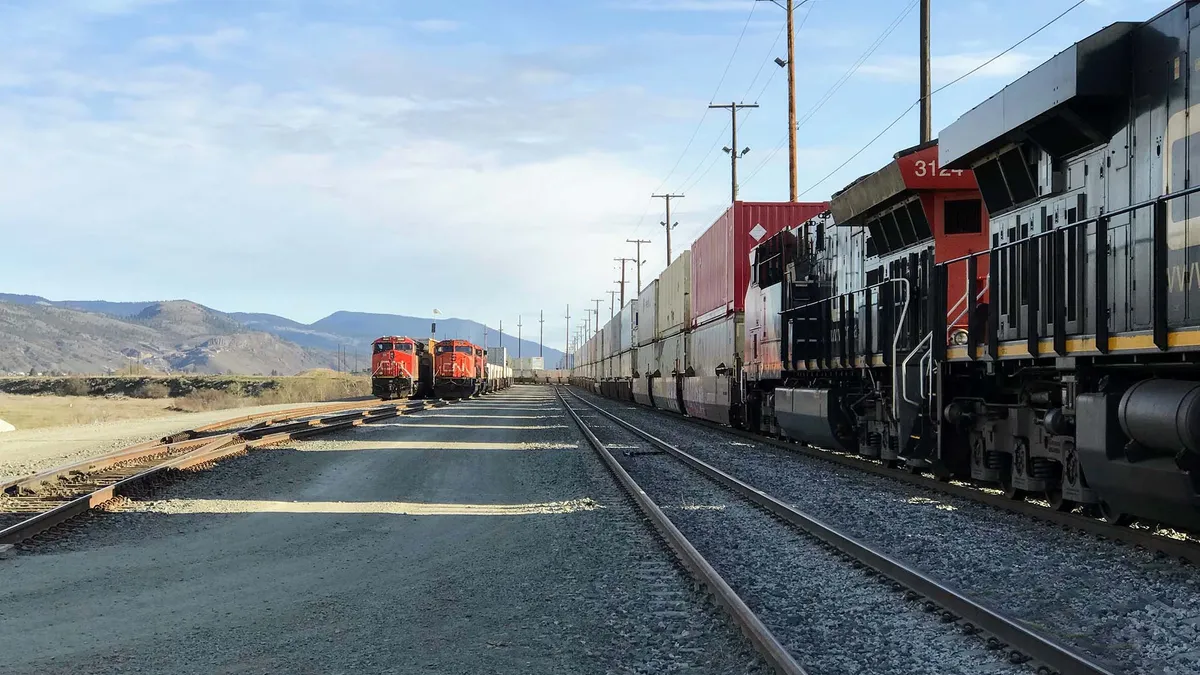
[721, 255]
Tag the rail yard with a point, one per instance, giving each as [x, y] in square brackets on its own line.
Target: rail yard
[945, 421]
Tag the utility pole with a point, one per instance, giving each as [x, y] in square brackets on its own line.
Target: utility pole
[623, 261]
[501, 333]
[587, 322]
[668, 224]
[640, 262]
[612, 299]
[926, 101]
[733, 153]
[597, 312]
[567, 340]
[518, 336]
[542, 331]
[791, 66]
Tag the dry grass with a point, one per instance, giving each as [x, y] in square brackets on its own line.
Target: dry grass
[299, 389]
[32, 412]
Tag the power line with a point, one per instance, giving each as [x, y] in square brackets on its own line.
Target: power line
[839, 83]
[753, 4]
[944, 86]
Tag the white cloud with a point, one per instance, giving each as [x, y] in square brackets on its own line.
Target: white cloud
[358, 184]
[950, 66]
[210, 45]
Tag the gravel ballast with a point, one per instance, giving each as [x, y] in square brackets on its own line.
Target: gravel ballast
[832, 617]
[1117, 604]
[485, 537]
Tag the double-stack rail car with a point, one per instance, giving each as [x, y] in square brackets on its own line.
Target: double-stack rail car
[1016, 303]
[400, 367]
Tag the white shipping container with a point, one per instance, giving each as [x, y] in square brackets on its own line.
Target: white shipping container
[612, 335]
[717, 343]
[627, 326]
[647, 359]
[647, 317]
[672, 354]
[673, 311]
[528, 363]
[625, 365]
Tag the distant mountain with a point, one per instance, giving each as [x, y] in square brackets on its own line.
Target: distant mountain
[179, 334]
[169, 336]
[97, 306]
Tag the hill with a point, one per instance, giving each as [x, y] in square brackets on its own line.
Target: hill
[183, 332]
[167, 336]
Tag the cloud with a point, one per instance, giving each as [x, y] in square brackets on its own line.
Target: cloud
[436, 25]
[950, 66]
[685, 5]
[210, 45]
[361, 173]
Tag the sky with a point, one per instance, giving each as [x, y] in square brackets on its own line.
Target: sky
[487, 158]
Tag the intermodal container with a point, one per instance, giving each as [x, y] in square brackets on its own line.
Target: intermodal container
[647, 309]
[647, 359]
[674, 296]
[721, 255]
[627, 325]
[625, 365]
[717, 345]
[672, 354]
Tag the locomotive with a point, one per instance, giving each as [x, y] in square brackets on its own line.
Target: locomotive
[400, 367]
[404, 367]
[1015, 303]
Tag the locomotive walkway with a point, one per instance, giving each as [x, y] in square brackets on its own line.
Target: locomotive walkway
[482, 537]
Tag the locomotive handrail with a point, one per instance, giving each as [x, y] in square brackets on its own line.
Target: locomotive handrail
[950, 324]
[1079, 223]
[904, 367]
[896, 345]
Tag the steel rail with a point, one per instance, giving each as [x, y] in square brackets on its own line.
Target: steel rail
[1028, 643]
[759, 635]
[199, 451]
[1187, 551]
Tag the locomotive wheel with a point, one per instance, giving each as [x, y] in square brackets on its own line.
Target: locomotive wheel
[1054, 495]
[1006, 484]
[1112, 516]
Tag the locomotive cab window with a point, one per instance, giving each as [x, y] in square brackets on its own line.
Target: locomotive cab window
[463, 350]
[404, 347]
[444, 349]
[383, 347]
[963, 216]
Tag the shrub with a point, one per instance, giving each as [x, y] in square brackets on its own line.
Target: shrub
[209, 399]
[76, 386]
[151, 390]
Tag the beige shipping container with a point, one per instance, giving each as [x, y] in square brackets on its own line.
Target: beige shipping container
[674, 310]
[672, 354]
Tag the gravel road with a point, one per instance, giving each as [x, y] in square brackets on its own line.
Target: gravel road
[28, 451]
[484, 538]
[1120, 605]
[832, 618]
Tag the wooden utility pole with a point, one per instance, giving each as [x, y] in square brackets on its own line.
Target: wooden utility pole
[567, 340]
[623, 261]
[639, 262]
[793, 186]
[668, 224]
[518, 336]
[733, 152]
[612, 299]
[501, 332]
[597, 312]
[542, 331]
[926, 99]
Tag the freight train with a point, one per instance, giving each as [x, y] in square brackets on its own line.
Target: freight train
[1015, 303]
[404, 367]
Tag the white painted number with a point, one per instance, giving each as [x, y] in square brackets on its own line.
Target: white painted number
[930, 168]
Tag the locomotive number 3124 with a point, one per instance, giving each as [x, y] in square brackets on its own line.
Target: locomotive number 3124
[930, 168]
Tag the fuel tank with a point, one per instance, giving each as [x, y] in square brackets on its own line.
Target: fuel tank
[813, 416]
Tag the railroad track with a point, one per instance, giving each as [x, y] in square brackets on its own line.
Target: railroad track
[1184, 547]
[999, 632]
[33, 505]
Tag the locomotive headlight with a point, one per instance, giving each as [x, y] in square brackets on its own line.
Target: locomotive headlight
[959, 337]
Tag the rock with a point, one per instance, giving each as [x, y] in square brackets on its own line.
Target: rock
[5, 426]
